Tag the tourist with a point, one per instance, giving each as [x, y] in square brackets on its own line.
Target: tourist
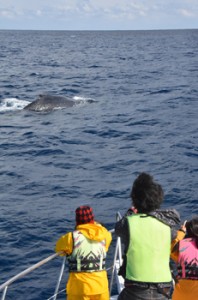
[184, 252]
[146, 231]
[86, 249]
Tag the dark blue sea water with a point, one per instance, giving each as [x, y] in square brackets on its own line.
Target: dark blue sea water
[144, 85]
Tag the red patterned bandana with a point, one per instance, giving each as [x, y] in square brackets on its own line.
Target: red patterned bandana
[84, 214]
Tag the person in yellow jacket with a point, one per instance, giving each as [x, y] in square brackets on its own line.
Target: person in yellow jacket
[86, 249]
[184, 251]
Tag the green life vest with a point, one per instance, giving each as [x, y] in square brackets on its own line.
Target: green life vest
[148, 253]
[87, 255]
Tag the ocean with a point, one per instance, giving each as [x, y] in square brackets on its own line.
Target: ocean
[143, 118]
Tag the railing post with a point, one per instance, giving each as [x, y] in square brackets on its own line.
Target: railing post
[118, 254]
[59, 279]
[113, 270]
[4, 293]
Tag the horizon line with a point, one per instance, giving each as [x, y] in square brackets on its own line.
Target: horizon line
[154, 29]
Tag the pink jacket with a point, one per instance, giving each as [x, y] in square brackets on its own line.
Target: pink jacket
[188, 259]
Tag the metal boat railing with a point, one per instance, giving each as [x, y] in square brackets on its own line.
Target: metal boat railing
[117, 261]
[5, 285]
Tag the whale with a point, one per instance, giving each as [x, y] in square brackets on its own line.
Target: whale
[47, 103]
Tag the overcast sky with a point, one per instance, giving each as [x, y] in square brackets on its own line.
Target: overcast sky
[98, 14]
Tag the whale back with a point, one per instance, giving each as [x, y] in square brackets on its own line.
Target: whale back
[46, 103]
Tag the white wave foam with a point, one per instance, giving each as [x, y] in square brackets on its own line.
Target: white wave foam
[79, 98]
[11, 104]
[82, 100]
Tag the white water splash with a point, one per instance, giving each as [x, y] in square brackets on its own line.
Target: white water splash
[11, 104]
[82, 100]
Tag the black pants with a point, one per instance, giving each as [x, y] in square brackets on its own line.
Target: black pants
[139, 293]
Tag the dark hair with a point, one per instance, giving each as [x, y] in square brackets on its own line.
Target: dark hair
[192, 229]
[146, 194]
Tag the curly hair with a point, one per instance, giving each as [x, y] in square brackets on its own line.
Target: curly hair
[146, 194]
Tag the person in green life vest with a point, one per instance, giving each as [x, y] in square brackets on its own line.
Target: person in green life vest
[86, 248]
[146, 232]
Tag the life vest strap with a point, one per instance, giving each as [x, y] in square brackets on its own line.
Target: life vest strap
[87, 265]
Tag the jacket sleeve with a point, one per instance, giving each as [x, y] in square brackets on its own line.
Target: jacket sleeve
[122, 230]
[175, 245]
[65, 244]
[108, 240]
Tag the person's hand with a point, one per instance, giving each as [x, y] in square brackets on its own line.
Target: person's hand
[132, 210]
[183, 227]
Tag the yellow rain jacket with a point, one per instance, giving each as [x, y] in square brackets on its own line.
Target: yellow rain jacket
[86, 283]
